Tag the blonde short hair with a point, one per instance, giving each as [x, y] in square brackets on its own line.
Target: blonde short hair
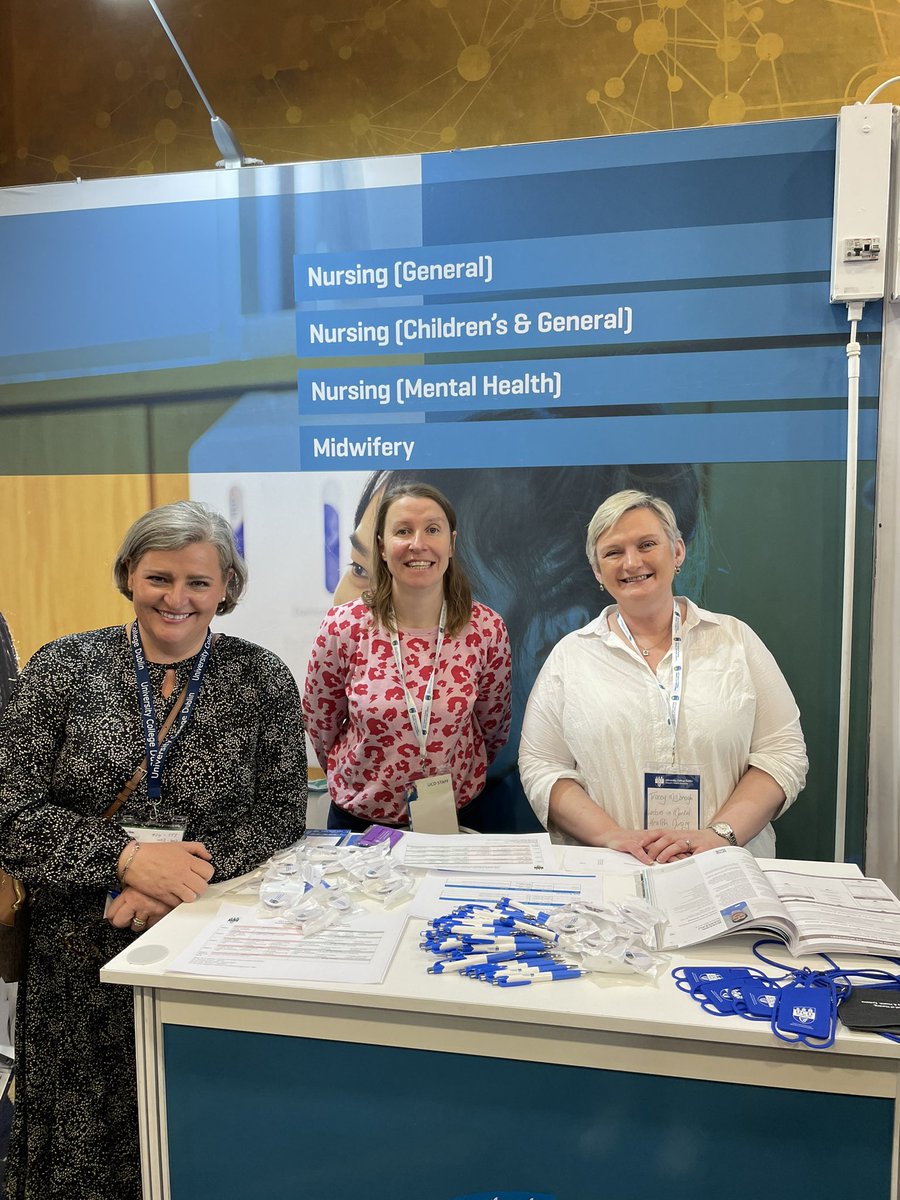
[616, 506]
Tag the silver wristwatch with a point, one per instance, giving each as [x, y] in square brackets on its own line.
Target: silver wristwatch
[723, 829]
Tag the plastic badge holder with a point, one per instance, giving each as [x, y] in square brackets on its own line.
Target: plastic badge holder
[627, 918]
[642, 917]
[570, 924]
[390, 890]
[327, 858]
[352, 856]
[284, 864]
[634, 959]
[311, 922]
[757, 998]
[719, 999]
[277, 892]
[609, 938]
[697, 981]
[337, 899]
[643, 962]
[806, 1011]
[319, 908]
[367, 867]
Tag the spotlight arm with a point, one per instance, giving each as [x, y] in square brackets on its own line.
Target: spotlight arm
[223, 134]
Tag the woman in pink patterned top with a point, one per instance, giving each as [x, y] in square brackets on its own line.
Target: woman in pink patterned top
[411, 681]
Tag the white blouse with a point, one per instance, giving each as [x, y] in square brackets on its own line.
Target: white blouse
[596, 715]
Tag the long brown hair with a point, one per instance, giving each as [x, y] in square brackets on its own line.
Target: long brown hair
[457, 590]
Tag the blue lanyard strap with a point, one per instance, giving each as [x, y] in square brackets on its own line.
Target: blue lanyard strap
[156, 753]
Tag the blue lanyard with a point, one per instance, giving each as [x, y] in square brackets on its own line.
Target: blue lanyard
[671, 700]
[156, 754]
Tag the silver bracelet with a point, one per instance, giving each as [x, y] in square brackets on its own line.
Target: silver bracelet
[128, 861]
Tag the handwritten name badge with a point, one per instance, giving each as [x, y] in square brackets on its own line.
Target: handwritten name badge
[671, 798]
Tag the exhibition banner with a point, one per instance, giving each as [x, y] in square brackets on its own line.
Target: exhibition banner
[530, 327]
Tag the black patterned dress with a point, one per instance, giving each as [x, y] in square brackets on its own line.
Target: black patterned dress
[70, 737]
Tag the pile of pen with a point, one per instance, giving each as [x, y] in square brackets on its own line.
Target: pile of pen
[499, 944]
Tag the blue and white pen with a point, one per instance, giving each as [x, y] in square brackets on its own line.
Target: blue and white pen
[485, 945]
[464, 927]
[540, 966]
[517, 959]
[523, 914]
[463, 962]
[536, 931]
[492, 971]
[517, 978]
[441, 945]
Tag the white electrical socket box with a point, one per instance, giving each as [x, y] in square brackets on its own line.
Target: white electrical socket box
[862, 249]
[862, 184]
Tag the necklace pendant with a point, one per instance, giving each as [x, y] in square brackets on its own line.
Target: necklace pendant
[646, 653]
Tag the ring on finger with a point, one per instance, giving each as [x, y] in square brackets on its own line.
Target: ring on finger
[139, 923]
[689, 845]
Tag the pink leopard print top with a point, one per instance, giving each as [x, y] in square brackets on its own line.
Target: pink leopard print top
[356, 716]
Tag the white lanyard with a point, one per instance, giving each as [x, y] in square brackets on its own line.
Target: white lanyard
[420, 726]
[671, 700]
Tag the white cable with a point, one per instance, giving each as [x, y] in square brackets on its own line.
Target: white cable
[854, 315]
[887, 83]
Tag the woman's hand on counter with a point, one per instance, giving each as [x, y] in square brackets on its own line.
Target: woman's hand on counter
[173, 872]
[132, 905]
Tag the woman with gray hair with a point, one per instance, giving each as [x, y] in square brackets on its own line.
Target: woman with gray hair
[137, 764]
[659, 729]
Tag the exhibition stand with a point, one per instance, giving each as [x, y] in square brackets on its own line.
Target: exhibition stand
[436, 1087]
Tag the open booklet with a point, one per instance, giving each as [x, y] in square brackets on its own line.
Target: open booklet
[726, 890]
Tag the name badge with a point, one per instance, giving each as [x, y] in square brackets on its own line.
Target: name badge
[432, 805]
[155, 833]
[671, 799]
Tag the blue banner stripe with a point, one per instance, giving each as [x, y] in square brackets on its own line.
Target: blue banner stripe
[708, 438]
[626, 150]
[790, 310]
[615, 259]
[771, 187]
[150, 286]
[725, 376]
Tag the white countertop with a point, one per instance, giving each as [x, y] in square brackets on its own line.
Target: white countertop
[614, 1004]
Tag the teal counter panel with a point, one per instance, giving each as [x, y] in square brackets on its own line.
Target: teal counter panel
[253, 1115]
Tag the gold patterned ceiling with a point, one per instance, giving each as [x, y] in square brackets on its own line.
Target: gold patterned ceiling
[92, 88]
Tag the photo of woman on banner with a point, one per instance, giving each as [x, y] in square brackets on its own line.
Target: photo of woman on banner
[137, 764]
[524, 554]
[658, 729]
[407, 694]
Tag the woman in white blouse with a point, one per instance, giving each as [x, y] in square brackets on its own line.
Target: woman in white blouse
[659, 729]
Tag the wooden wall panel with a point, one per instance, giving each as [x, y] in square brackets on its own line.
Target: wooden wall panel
[166, 489]
[60, 534]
